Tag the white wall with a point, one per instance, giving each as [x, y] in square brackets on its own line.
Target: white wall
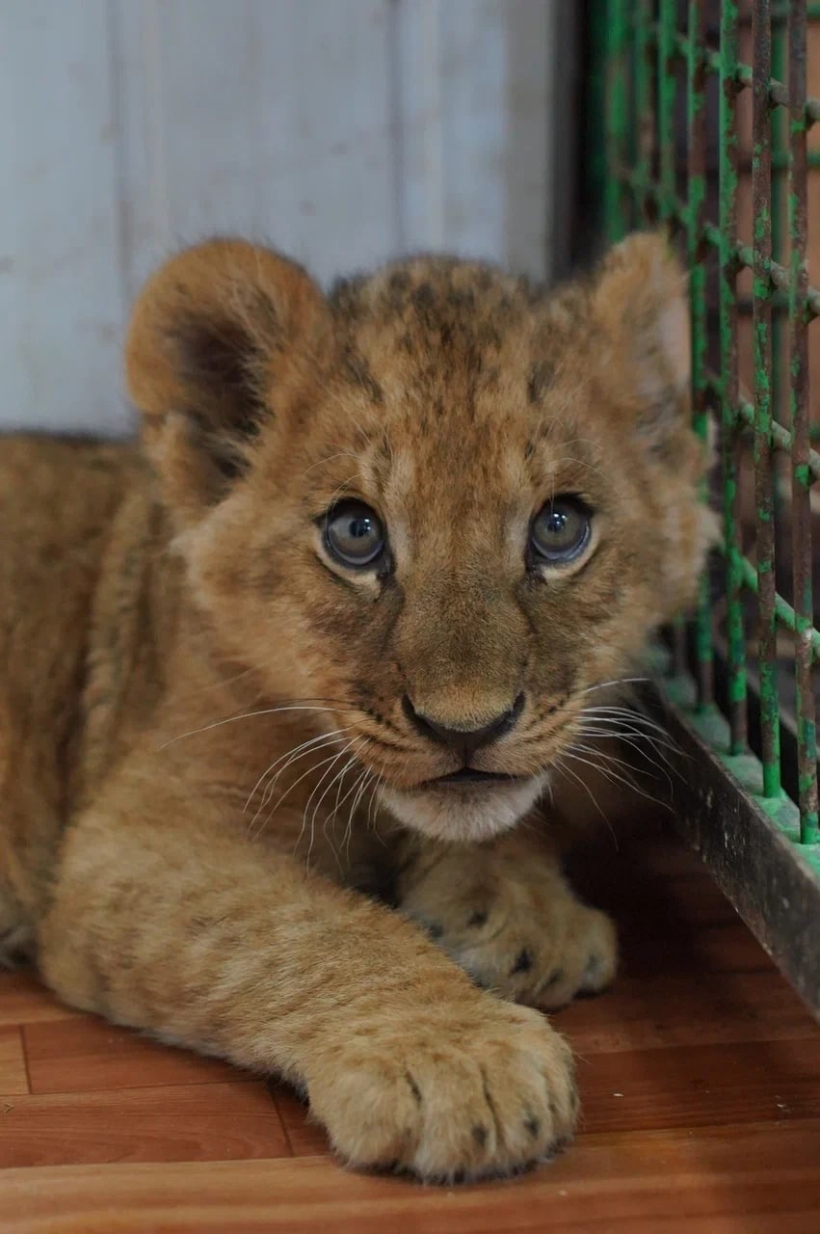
[341, 131]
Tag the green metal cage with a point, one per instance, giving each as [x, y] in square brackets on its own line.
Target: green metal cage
[708, 129]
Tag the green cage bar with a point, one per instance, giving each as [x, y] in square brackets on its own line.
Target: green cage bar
[763, 445]
[642, 43]
[616, 77]
[727, 241]
[666, 50]
[752, 808]
[799, 385]
[695, 247]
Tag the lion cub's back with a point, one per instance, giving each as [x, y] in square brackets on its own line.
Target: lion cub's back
[57, 499]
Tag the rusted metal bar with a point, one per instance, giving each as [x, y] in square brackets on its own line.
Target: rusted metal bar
[616, 203]
[799, 384]
[781, 437]
[728, 154]
[666, 106]
[763, 447]
[697, 253]
[644, 108]
[778, 275]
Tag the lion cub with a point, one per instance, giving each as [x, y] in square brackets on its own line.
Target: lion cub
[332, 629]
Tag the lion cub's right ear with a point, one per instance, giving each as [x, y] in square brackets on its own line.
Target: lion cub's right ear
[222, 338]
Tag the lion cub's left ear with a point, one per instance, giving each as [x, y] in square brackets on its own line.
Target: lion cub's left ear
[222, 338]
[641, 312]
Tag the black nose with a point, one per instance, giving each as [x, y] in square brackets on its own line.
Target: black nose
[465, 740]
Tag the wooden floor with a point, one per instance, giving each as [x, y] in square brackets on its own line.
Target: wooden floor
[699, 1074]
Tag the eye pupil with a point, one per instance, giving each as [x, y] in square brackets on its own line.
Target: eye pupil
[354, 534]
[561, 531]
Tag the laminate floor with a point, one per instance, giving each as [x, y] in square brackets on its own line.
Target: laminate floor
[699, 1077]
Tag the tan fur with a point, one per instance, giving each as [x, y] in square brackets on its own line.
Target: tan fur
[173, 629]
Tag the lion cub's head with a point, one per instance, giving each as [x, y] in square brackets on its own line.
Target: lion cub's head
[441, 503]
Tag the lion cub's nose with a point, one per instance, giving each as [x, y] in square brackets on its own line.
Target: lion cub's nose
[464, 740]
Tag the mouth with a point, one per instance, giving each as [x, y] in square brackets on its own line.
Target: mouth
[470, 775]
[465, 805]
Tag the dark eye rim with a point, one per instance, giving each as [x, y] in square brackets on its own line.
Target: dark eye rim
[569, 555]
[347, 506]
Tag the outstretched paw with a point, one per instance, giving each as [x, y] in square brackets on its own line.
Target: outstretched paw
[487, 1091]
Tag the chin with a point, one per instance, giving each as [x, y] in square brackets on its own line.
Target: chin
[466, 813]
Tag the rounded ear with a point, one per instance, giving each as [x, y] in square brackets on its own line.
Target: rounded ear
[222, 338]
[640, 308]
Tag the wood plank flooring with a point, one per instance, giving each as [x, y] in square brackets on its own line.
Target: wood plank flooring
[699, 1075]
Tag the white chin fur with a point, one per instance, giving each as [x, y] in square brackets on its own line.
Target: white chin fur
[476, 813]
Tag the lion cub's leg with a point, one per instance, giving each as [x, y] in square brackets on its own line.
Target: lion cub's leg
[165, 917]
[506, 914]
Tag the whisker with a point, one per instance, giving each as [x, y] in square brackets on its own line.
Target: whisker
[291, 755]
[615, 778]
[640, 742]
[348, 836]
[630, 713]
[616, 724]
[346, 797]
[597, 752]
[631, 725]
[246, 715]
[374, 798]
[333, 812]
[340, 776]
[333, 758]
[617, 681]
[645, 747]
[559, 763]
[270, 788]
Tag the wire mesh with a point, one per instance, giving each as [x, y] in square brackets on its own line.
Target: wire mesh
[709, 117]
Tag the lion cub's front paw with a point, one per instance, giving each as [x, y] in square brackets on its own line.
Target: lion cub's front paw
[449, 1097]
[522, 933]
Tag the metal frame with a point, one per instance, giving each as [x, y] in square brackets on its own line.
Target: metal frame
[757, 829]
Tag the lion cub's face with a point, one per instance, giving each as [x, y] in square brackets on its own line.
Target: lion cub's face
[441, 505]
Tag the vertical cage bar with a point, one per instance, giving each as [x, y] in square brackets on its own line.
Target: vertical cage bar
[799, 402]
[595, 138]
[779, 164]
[762, 342]
[696, 251]
[666, 197]
[666, 106]
[616, 204]
[728, 157]
[644, 108]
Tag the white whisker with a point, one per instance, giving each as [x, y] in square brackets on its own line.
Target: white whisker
[350, 763]
[616, 778]
[617, 681]
[559, 763]
[246, 715]
[332, 759]
[292, 756]
[597, 752]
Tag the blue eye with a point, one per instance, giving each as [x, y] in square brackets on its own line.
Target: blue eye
[561, 530]
[354, 534]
